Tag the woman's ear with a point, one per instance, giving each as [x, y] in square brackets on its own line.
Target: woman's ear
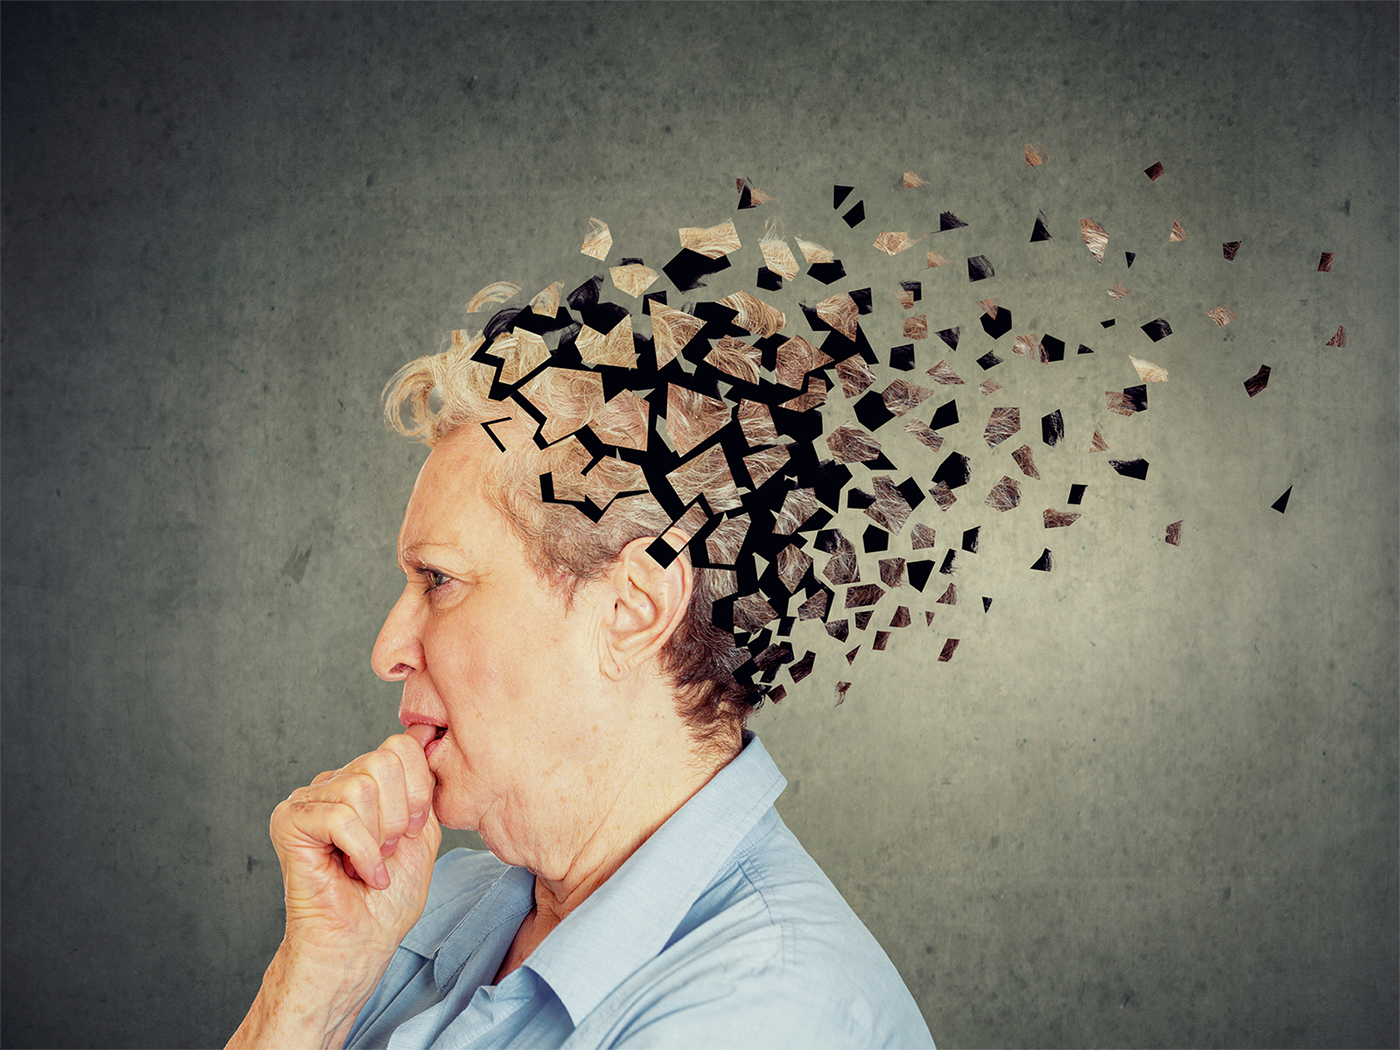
[650, 600]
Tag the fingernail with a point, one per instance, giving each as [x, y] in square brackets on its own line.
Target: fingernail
[416, 822]
[387, 849]
[381, 877]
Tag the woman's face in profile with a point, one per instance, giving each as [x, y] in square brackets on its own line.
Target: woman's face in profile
[485, 650]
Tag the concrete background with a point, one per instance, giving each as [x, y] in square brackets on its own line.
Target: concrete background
[1150, 802]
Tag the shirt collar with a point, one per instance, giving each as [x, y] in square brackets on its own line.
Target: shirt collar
[629, 919]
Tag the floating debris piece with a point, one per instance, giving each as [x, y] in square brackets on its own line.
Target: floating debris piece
[1324, 264]
[1029, 346]
[909, 293]
[855, 216]
[633, 279]
[1040, 232]
[1174, 533]
[1118, 291]
[598, 242]
[1005, 495]
[1222, 315]
[546, 301]
[1130, 468]
[948, 221]
[813, 252]
[894, 243]
[855, 376]
[754, 315]
[916, 327]
[710, 241]
[1177, 234]
[840, 312]
[1095, 237]
[850, 444]
[979, 268]
[1025, 461]
[1258, 381]
[1045, 563]
[1035, 154]
[1147, 371]
[988, 387]
[937, 259]
[776, 254]
[1231, 249]
[1340, 339]
[1155, 172]
[1098, 444]
[1055, 519]
[949, 648]
[944, 374]
[912, 181]
[750, 196]
[921, 536]
[1003, 423]
[1052, 428]
[1281, 504]
[1157, 330]
[927, 435]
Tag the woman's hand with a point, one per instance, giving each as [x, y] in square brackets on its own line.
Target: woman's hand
[357, 848]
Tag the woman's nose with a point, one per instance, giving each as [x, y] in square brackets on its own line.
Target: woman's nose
[398, 650]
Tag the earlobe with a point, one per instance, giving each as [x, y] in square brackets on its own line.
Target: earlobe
[649, 603]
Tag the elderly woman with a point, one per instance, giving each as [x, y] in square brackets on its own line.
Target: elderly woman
[566, 695]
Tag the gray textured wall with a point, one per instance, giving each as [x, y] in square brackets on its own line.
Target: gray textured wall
[1151, 801]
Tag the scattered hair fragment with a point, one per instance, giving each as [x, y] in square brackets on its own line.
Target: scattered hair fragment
[1147, 371]
[841, 690]
[882, 639]
[892, 572]
[1130, 468]
[855, 375]
[598, 241]
[1040, 232]
[1174, 533]
[750, 196]
[1177, 234]
[949, 648]
[1095, 237]
[891, 509]
[777, 256]
[912, 181]
[633, 279]
[926, 434]
[943, 495]
[1231, 249]
[948, 221]
[928, 617]
[855, 216]
[988, 387]
[1130, 256]
[840, 312]
[1258, 381]
[1029, 346]
[754, 315]
[988, 361]
[546, 300]
[909, 293]
[1035, 154]
[1324, 264]
[1157, 329]
[1005, 495]
[937, 259]
[839, 629]
[1099, 444]
[1001, 425]
[1118, 291]
[710, 241]
[850, 444]
[979, 268]
[1052, 428]
[1025, 461]
[901, 396]
[1055, 519]
[814, 608]
[950, 596]
[1340, 339]
[498, 292]
[813, 252]
[1045, 563]
[916, 327]
[901, 617]
[894, 243]
[1076, 494]
[862, 594]
[1155, 171]
[1281, 504]
[943, 373]
[1221, 315]
[921, 536]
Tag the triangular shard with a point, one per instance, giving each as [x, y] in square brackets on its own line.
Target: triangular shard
[949, 221]
[950, 596]
[1281, 504]
[1130, 256]
[840, 312]
[546, 302]
[912, 181]
[1035, 154]
[1147, 371]
[901, 617]
[928, 617]
[950, 336]
[1095, 237]
[1177, 234]
[944, 374]
[1174, 534]
[1324, 264]
[633, 280]
[1085, 349]
[949, 648]
[1230, 249]
[750, 196]
[1045, 563]
[1041, 232]
[970, 539]
[988, 387]
[839, 194]
[1340, 339]
[841, 690]
[814, 252]
[851, 656]
[839, 629]
[986, 604]
[936, 259]
[671, 330]
[1098, 444]
[1118, 291]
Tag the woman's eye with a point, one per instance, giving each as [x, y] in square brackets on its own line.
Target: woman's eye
[433, 578]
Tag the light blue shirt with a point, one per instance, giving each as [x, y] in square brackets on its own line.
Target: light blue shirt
[719, 930]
